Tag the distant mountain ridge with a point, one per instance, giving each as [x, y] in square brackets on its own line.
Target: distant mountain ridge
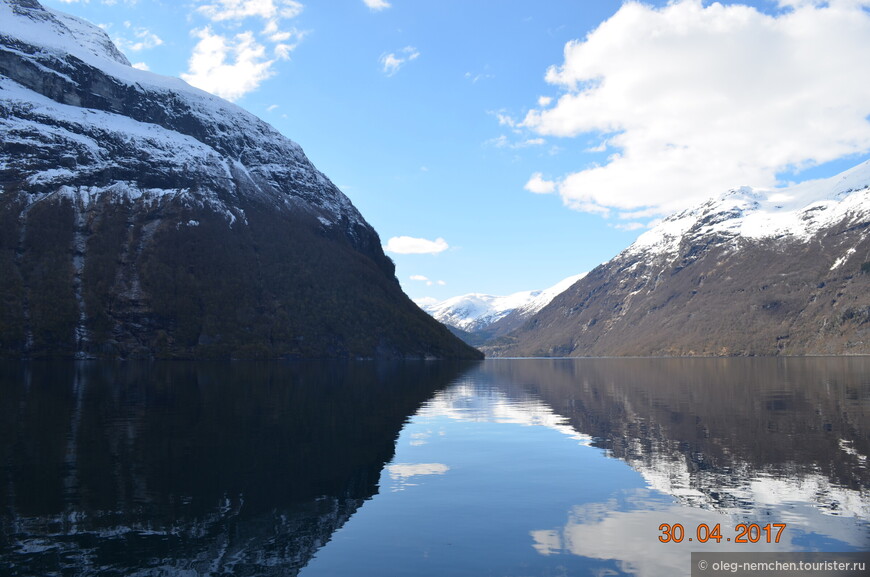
[752, 272]
[477, 317]
[142, 217]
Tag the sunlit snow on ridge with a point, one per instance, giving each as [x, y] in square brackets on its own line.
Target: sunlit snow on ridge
[475, 310]
[52, 42]
[797, 212]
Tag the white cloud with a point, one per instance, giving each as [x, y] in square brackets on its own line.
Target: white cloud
[630, 226]
[504, 119]
[544, 101]
[140, 66]
[695, 99]
[241, 9]
[426, 301]
[377, 5]
[274, 33]
[500, 141]
[391, 63]
[479, 76]
[229, 68]
[104, 2]
[144, 39]
[272, 108]
[538, 185]
[411, 245]
[283, 51]
[421, 278]
[503, 141]
[208, 67]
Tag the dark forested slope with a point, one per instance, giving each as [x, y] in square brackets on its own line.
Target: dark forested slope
[142, 217]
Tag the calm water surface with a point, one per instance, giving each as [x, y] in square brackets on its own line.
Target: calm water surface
[532, 467]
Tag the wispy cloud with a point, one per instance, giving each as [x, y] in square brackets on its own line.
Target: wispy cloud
[426, 301]
[503, 141]
[392, 62]
[475, 77]
[629, 226]
[377, 5]
[143, 39]
[693, 98]
[241, 9]
[429, 282]
[411, 245]
[504, 119]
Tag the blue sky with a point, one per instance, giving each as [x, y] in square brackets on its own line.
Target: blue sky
[503, 146]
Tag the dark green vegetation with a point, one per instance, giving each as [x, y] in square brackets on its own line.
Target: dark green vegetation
[169, 282]
[141, 218]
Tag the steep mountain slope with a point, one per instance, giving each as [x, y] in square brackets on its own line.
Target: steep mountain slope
[478, 317]
[749, 273]
[142, 217]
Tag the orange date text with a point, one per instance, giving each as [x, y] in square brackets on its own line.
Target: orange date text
[743, 533]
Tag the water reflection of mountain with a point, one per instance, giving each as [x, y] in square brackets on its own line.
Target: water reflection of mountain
[124, 469]
[720, 433]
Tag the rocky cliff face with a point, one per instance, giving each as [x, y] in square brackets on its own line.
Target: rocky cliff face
[750, 273]
[142, 217]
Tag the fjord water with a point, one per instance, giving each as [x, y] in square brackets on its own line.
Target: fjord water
[501, 468]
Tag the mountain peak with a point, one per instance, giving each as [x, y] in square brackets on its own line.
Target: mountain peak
[28, 20]
[751, 272]
[797, 211]
[64, 68]
[476, 312]
[143, 217]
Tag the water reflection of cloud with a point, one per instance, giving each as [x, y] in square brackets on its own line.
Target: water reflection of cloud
[483, 405]
[742, 490]
[420, 438]
[600, 531]
[736, 489]
[401, 472]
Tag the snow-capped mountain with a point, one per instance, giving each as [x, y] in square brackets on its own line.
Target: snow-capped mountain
[797, 213]
[752, 272]
[141, 216]
[99, 123]
[477, 312]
